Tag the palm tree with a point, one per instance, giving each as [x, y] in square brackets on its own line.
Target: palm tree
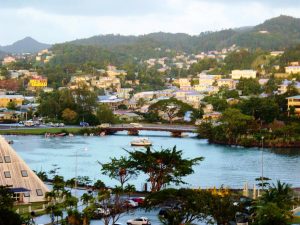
[86, 198]
[281, 194]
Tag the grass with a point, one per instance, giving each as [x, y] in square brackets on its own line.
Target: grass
[40, 131]
[295, 220]
[23, 209]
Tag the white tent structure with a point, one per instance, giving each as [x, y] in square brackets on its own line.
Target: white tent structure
[15, 174]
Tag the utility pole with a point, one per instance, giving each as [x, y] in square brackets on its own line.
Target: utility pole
[262, 162]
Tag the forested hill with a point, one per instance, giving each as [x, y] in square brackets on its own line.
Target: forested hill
[277, 33]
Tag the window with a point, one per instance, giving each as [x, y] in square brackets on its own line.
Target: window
[1, 159]
[26, 194]
[7, 159]
[39, 192]
[7, 174]
[24, 173]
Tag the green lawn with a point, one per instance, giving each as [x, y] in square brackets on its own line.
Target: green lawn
[295, 220]
[40, 131]
[23, 209]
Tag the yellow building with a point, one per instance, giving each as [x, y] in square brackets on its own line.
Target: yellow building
[230, 83]
[5, 99]
[184, 82]
[294, 101]
[238, 74]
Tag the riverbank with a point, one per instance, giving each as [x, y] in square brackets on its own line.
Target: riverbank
[251, 143]
[41, 131]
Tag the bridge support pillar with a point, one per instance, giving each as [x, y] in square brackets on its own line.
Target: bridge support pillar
[176, 133]
[133, 132]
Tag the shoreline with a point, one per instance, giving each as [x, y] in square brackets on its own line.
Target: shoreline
[84, 130]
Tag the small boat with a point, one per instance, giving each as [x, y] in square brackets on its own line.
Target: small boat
[102, 134]
[141, 142]
[10, 142]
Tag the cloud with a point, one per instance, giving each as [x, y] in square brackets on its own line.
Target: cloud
[58, 21]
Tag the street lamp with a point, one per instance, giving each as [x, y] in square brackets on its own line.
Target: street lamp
[262, 162]
[76, 168]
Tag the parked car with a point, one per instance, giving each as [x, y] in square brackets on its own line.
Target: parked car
[84, 124]
[139, 200]
[139, 221]
[103, 212]
[130, 203]
[29, 123]
[136, 125]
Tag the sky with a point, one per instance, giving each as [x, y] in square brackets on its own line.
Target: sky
[55, 21]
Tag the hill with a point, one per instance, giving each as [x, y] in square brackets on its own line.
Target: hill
[2, 54]
[26, 45]
[277, 33]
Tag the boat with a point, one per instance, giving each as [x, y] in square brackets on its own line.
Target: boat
[141, 142]
[10, 142]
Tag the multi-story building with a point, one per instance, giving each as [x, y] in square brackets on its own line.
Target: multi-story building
[106, 82]
[124, 93]
[292, 69]
[5, 99]
[294, 102]
[8, 60]
[230, 83]
[283, 87]
[238, 74]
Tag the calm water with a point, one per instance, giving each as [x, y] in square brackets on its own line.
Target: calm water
[222, 165]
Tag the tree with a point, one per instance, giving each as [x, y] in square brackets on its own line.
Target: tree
[7, 215]
[162, 167]
[86, 101]
[11, 105]
[86, 198]
[118, 169]
[6, 198]
[274, 207]
[111, 204]
[235, 124]
[105, 114]
[171, 108]
[129, 189]
[221, 206]
[99, 184]
[264, 109]
[184, 206]
[270, 213]
[69, 115]
[249, 86]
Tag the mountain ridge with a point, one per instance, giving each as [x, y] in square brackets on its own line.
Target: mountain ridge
[25, 45]
[280, 32]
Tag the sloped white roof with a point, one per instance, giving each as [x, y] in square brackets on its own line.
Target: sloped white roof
[20, 175]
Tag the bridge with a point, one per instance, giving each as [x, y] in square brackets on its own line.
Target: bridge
[175, 130]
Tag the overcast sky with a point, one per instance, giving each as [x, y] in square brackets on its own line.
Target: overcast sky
[52, 21]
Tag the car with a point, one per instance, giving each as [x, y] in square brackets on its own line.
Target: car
[130, 203]
[103, 212]
[136, 125]
[84, 124]
[104, 125]
[139, 200]
[139, 221]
